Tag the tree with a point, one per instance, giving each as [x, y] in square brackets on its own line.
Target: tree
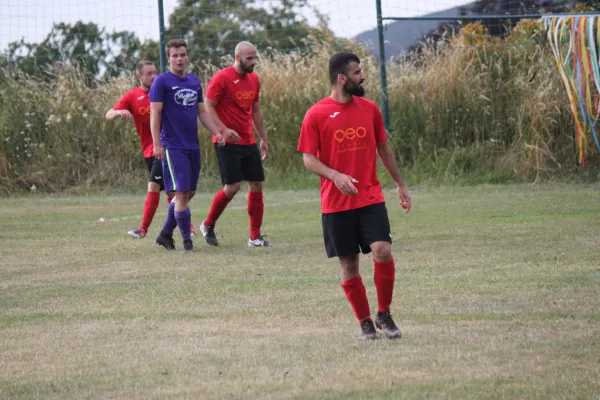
[83, 45]
[212, 28]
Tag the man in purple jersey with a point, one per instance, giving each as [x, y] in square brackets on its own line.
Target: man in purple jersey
[176, 103]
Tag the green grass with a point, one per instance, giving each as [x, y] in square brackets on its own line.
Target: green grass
[497, 293]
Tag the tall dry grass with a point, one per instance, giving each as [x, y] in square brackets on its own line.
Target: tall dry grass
[496, 111]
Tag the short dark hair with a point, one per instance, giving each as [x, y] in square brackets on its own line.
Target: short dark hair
[140, 66]
[174, 43]
[338, 64]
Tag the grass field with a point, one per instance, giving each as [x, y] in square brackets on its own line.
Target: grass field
[497, 293]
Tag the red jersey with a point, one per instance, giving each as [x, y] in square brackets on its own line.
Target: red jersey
[236, 95]
[344, 137]
[136, 101]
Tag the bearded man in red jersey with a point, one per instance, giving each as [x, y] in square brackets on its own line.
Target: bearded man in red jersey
[341, 137]
[233, 101]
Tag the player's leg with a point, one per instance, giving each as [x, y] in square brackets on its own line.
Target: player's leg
[175, 172]
[342, 241]
[165, 237]
[155, 185]
[376, 237]
[255, 175]
[229, 159]
[152, 198]
[191, 194]
[188, 175]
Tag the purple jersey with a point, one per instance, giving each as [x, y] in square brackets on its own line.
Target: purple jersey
[179, 119]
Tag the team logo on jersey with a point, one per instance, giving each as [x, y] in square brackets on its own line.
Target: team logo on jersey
[244, 95]
[351, 139]
[335, 114]
[342, 135]
[186, 97]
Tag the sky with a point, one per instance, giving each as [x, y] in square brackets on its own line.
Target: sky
[33, 19]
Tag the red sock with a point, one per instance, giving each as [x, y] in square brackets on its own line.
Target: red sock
[150, 207]
[256, 210]
[357, 297]
[216, 209]
[384, 277]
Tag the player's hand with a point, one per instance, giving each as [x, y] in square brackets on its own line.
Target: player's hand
[159, 151]
[220, 139]
[345, 183]
[231, 135]
[404, 197]
[263, 149]
[125, 114]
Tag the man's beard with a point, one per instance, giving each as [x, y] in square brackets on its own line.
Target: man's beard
[147, 86]
[354, 89]
[247, 69]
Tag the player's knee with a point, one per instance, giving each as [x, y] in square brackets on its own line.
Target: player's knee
[153, 187]
[255, 186]
[231, 189]
[382, 251]
[181, 197]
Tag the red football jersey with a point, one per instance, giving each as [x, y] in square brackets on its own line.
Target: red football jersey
[236, 95]
[136, 101]
[344, 137]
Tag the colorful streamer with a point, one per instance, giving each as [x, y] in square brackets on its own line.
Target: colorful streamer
[574, 41]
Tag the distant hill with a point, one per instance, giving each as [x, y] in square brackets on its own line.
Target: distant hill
[400, 35]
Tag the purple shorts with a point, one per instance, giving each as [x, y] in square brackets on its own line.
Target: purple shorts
[181, 170]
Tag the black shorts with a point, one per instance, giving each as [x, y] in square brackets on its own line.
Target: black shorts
[349, 232]
[240, 162]
[155, 170]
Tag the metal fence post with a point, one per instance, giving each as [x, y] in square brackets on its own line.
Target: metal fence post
[161, 25]
[382, 70]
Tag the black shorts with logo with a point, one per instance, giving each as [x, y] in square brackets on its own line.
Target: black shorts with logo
[349, 232]
[155, 170]
[240, 162]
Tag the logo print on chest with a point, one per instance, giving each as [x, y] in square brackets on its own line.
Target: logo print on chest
[186, 97]
[351, 139]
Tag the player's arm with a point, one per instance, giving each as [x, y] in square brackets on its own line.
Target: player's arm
[112, 114]
[155, 120]
[309, 145]
[259, 124]
[388, 159]
[343, 182]
[121, 109]
[208, 122]
[211, 109]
